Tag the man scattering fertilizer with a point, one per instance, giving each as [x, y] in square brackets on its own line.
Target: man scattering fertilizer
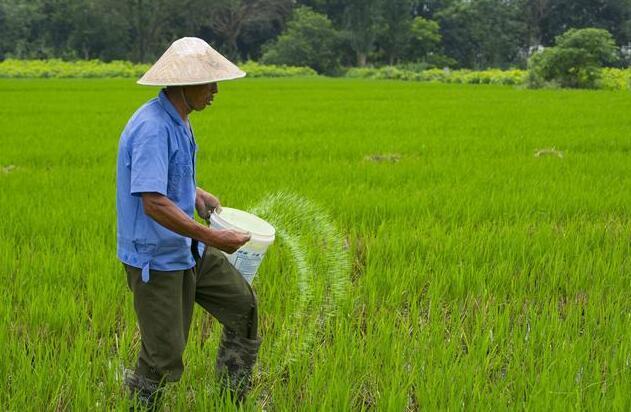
[157, 235]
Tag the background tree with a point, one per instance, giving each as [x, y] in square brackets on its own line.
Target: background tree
[562, 15]
[151, 24]
[333, 9]
[229, 19]
[310, 40]
[17, 21]
[482, 33]
[476, 33]
[430, 8]
[534, 13]
[99, 32]
[425, 38]
[394, 33]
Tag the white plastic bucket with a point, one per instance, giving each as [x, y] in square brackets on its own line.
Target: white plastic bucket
[248, 258]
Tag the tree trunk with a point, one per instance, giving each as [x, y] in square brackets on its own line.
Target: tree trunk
[231, 42]
[361, 59]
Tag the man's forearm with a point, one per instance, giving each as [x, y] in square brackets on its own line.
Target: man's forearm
[166, 213]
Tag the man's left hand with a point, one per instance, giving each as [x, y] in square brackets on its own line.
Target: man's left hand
[205, 203]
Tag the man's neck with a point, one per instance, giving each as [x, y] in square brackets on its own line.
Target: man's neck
[175, 97]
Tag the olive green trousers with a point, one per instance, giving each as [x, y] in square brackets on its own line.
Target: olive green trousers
[164, 308]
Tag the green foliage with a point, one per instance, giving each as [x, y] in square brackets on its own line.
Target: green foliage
[244, 22]
[482, 33]
[254, 69]
[556, 16]
[438, 61]
[56, 68]
[310, 40]
[575, 61]
[425, 37]
[563, 68]
[598, 44]
[394, 33]
[615, 79]
[333, 9]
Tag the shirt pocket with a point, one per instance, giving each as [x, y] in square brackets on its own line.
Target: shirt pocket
[180, 181]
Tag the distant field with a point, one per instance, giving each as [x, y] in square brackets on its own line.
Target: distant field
[478, 253]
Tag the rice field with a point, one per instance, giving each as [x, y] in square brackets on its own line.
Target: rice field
[449, 247]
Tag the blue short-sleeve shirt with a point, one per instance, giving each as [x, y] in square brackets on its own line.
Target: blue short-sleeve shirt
[156, 153]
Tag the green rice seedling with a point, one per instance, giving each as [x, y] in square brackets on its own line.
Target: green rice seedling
[479, 275]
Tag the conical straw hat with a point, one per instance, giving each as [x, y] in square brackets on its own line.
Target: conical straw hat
[190, 61]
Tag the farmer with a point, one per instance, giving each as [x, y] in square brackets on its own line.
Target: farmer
[158, 238]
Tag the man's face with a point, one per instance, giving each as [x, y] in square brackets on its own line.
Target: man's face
[201, 95]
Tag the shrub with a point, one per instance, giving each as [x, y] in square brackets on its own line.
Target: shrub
[575, 61]
[56, 68]
[508, 77]
[66, 69]
[615, 79]
[362, 72]
[254, 69]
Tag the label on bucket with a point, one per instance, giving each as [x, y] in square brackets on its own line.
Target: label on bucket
[246, 262]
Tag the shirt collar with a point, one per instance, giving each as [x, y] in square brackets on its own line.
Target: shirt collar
[169, 108]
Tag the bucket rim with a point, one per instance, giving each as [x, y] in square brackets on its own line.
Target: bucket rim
[263, 237]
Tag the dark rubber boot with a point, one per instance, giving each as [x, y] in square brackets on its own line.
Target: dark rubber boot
[235, 361]
[145, 394]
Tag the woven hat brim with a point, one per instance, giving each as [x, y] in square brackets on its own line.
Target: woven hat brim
[144, 82]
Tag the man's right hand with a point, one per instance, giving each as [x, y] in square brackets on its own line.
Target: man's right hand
[227, 240]
[168, 214]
